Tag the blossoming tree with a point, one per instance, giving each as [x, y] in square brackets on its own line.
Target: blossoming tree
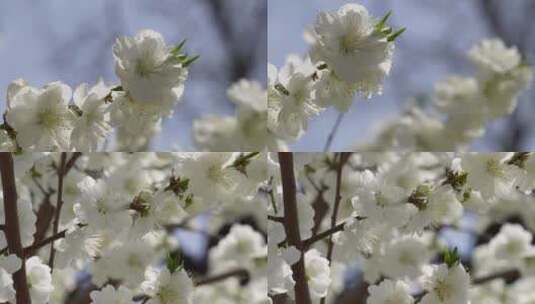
[377, 228]
[350, 55]
[152, 78]
[133, 228]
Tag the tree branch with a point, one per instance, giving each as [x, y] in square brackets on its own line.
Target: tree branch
[291, 224]
[12, 231]
[334, 130]
[320, 236]
[242, 274]
[61, 173]
[31, 250]
[342, 159]
[72, 161]
[507, 275]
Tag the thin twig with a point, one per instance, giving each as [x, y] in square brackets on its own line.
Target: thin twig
[508, 275]
[291, 225]
[277, 219]
[272, 196]
[29, 251]
[242, 274]
[72, 161]
[12, 231]
[331, 136]
[320, 236]
[342, 159]
[59, 204]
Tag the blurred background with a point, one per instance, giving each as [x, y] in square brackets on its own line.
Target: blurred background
[71, 41]
[439, 34]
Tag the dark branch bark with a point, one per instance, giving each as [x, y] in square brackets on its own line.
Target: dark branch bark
[72, 161]
[12, 231]
[59, 204]
[342, 159]
[508, 276]
[291, 224]
[45, 214]
[29, 251]
[242, 274]
[333, 132]
[327, 233]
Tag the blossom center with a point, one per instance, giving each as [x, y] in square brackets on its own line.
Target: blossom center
[443, 290]
[48, 118]
[349, 43]
[167, 294]
[144, 68]
[494, 168]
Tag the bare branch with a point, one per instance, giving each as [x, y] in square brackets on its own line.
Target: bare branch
[59, 204]
[242, 274]
[334, 130]
[12, 231]
[291, 224]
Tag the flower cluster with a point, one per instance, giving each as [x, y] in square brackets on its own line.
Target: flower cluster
[53, 118]
[461, 106]
[161, 228]
[441, 228]
[245, 132]
[350, 53]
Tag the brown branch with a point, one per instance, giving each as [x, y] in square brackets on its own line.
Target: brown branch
[507, 275]
[242, 274]
[44, 219]
[12, 231]
[72, 161]
[342, 159]
[31, 250]
[333, 132]
[320, 236]
[277, 219]
[61, 173]
[291, 225]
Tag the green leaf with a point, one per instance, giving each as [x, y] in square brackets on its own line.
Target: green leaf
[386, 31]
[176, 50]
[451, 257]
[187, 62]
[395, 35]
[379, 26]
[189, 200]
[174, 262]
[178, 185]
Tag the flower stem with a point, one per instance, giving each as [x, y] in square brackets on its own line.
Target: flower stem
[331, 136]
